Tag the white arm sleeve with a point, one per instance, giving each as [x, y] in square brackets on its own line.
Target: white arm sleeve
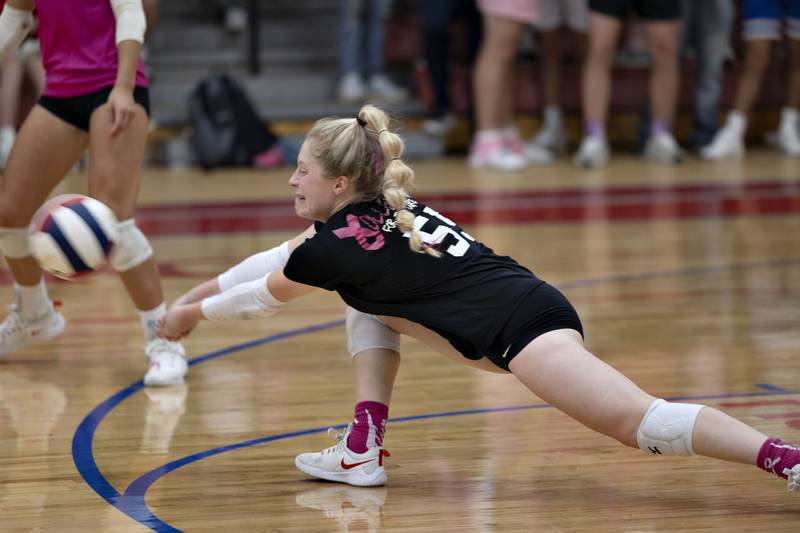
[242, 302]
[14, 26]
[254, 267]
[131, 22]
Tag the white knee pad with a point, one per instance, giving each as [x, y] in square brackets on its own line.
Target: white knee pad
[667, 428]
[368, 331]
[131, 248]
[14, 243]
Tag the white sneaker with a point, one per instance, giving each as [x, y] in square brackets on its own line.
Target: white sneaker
[351, 88]
[662, 148]
[593, 152]
[167, 363]
[495, 156]
[793, 478]
[726, 144]
[786, 140]
[382, 88]
[552, 138]
[538, 154]
[338, 463]
[16, 332]
[436, 127]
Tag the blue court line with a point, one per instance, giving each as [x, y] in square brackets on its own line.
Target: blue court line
[132, 501]
[134, 498]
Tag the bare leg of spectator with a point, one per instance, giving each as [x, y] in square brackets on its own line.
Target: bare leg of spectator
[729, 140]
[661, 146]
[494, 96]
[787, 138]
[603, 33]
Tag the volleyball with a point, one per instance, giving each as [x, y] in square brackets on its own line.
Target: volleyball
[72, 235]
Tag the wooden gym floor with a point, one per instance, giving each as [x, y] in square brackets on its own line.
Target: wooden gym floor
[687, 279]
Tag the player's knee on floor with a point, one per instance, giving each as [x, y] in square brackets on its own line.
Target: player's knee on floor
[667, 428]
[14, 243]
[368, 331]
[131, 249]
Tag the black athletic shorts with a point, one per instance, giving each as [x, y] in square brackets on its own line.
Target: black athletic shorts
[77, 110]
[546, 309]
[645, 9]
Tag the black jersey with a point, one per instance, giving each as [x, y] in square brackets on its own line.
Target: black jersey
[467, 295]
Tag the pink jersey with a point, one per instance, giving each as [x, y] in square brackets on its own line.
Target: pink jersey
[79, 52]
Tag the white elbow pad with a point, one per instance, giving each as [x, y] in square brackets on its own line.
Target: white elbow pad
[242, 302]
[14, 26]
[131, 22]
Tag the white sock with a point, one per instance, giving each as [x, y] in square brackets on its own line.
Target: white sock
[32, 300]
[552, 117]
[737, 122]
[789, 118]
[149, 319]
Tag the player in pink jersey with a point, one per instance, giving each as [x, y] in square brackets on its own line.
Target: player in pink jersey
[95, 97]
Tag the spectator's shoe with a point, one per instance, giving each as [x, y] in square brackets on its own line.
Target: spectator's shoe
[786, 139]
[382, 88]
[662, 148]
[16, 331]
[167, 363]
[493, 154]
[538, 154]
[512, 143]
[438, 126]
[726, 144]
[552, 138]
[792, 477]
[338, 463]
[592, 153]
[351, 89]
[351, 507]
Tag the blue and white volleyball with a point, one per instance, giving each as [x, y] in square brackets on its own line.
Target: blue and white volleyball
[72, 235]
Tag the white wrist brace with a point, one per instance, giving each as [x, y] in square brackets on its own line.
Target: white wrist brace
[242, 302]
[131, 22]
[255, 266]
[14, 26]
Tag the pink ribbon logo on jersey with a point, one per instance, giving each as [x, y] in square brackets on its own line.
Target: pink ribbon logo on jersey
[366, 229]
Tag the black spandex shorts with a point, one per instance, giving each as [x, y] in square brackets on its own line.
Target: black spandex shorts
[77, 110]
[546, 309]
[645, 9]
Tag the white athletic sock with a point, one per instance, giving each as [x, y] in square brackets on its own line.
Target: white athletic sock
[736, 122]
[149, 319]
[552, 116]
[789, 118]
[32, 300]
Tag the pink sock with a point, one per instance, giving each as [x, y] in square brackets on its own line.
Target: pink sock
[775, 455]
[369, 423]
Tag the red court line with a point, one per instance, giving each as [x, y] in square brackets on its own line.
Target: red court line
[549, 205]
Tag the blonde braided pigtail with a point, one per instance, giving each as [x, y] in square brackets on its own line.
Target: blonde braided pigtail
[398, 177]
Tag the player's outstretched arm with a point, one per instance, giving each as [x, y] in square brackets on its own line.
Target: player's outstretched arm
[260, 298]
[254, 267]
